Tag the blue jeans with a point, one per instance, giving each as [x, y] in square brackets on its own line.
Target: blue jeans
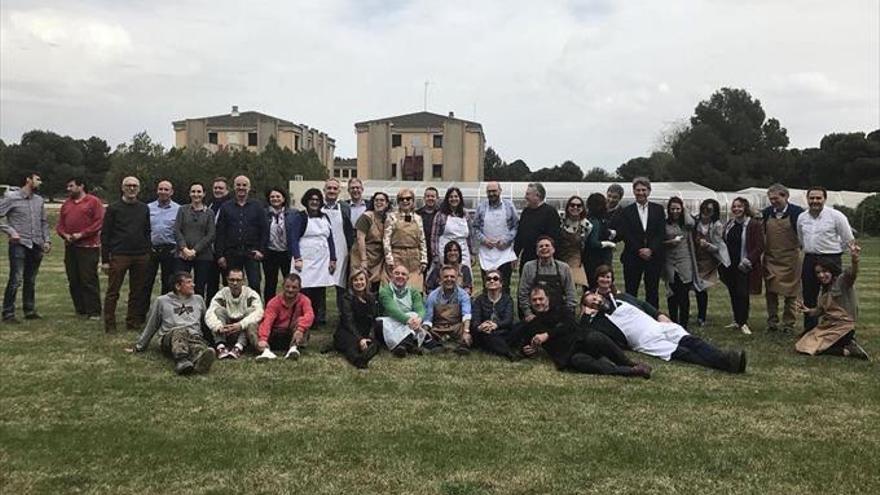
[24, 263]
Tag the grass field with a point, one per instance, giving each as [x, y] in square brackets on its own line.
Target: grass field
[77, 414]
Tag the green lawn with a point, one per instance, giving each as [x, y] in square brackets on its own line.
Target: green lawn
[77, 414]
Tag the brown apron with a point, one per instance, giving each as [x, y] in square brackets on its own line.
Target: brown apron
[447, 320]
[834, 323]
[569, 251]
[406, 249]
[707, 264]
[375, 252]
[782, 258]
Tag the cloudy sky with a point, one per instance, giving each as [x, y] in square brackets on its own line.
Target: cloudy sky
[594, 81]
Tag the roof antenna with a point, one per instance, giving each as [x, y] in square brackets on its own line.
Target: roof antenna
[426, 96]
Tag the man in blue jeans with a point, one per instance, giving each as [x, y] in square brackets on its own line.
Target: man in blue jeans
[28, 231]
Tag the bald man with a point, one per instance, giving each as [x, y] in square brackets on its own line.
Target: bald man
[125, 247]
[495, 225]
[242, 233]
[163, 216]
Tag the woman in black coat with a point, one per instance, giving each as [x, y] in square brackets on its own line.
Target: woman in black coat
[355, 335]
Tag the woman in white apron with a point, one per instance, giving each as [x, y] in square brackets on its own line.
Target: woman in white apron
[451, 256]
[312, 249]
[452, 224]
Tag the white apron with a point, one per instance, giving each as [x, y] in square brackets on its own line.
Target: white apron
[394, 331]
[645, 334]
[456, 230]
[339, 277]
[495, 227]
[315, 252]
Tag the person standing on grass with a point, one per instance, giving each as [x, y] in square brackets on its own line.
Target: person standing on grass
[286, 322]
[837, 311]
[452, 223]
[550, 273]
[368, 253]
[711, 253]
[574, 229]
[79, 224]
[28, 229]
[427, 213]
[234, 316]
[782, 258]
[277, 260]
[242, 233]
[163, 214]
[312, 248]
[680, 264]
[219, 195]
[495, 227]
[744, 238]
[339, 214]
[356, 333]
[194, 232]
[824, 234]
[598, 248]
[492, 318]
[177, 318]
[404, 241]
[641, 226]
[448, 313]
[125, 247]
[402, 310]
[612, 208]
[537, 219]
[572, 346]
[355, 202]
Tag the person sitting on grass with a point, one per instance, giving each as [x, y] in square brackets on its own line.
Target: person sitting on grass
[837, 310]
[355, 335]
[636, 325]
[492, 317]
[177, 318]
[571, 346]
[286, 322]
[451, 256]
[448, 314]
[402, 312]
[234, 316]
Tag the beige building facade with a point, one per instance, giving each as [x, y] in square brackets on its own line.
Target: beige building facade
[252, 131]
[420, 146]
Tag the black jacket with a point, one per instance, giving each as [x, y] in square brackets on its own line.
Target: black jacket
[629, 229]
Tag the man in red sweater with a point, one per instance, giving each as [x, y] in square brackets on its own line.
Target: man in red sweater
[286, 321]
[79, 224]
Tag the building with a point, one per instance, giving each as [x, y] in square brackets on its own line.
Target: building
[420, 146]
[345, 168]
[252, 131]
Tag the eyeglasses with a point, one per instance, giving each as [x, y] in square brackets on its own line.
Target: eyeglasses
[492, 191]
[131, 185]
[576, 205]
[407, 198]
[493, 279]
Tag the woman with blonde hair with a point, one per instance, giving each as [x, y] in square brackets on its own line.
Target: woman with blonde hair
[404, 241]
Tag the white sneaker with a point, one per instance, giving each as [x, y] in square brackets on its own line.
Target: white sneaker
[732, 325]
[292, 354]
[267, 355]
[745, 330]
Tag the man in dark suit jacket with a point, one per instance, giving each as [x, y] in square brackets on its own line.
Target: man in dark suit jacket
[641, 226]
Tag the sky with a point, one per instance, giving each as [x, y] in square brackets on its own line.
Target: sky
[593, 81]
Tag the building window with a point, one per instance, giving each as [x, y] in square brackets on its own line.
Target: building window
[396, 141]
[437, 171]
[295, 143]
[393, 170]
[252, 139]
[354, 172]
[438, 141]
[212, 138]
[337, 172]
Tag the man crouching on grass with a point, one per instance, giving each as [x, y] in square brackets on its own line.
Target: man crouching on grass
[177, 317]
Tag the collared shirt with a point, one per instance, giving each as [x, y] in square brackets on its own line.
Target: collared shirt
[780, 213]
[162, 218]
[827, 233]
[511, 217]
[439, 296]
[25, 216]
[642, 209]
[357, 209]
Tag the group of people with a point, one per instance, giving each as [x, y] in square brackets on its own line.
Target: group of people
[404, 277]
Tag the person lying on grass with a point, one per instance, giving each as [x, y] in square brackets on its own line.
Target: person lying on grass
[286, 322]
[571, 346]
[638, 326]
[177, 318]
[837, 310]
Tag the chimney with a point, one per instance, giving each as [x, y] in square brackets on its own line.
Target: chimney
[234, 111]
[451, 115]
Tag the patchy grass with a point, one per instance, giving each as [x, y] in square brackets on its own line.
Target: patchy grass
[80, 415]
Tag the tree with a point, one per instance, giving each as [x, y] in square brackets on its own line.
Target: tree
[492, 164]
[515, 171]
[599, 174]
[568, 171]
[655, 167]
[867, 217]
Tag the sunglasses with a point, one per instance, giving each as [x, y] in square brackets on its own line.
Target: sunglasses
[575, 205]
[407, 198]
[493, 279]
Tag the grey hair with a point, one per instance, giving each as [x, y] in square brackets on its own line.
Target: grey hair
[539, 188]
[642, 181]
[778, 188]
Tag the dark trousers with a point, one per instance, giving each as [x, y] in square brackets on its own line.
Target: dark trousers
[250, 266]
[634, 270]
[202, 271]
[136, 266]
[836, 348]
[81, 265]
[702, 297]
[161, 257]
[24, 263]
[811, 284]
[350, 346]
[597, 354]
[274, 263]
[695, 350]
[679, 302]
[280, 339]
[506, 272]
[501, 343]
[737, 284]
[318, 297]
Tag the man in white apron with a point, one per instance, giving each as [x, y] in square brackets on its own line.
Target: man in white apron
[495, 225]
[638, 326]
[339, 214]
[403, 310]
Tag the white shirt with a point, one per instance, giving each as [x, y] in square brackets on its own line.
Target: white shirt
[827, 233]
[357, 209]
[643, 214]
